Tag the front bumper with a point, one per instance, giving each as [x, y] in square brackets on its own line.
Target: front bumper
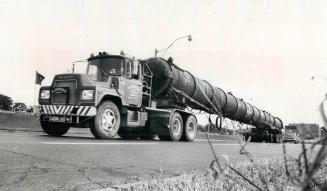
[71, 110]
[290, 139]
[75, 115]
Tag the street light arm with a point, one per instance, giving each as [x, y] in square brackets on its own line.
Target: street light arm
[318, 77]
[188, 36]
[173, 43]
[85, 60]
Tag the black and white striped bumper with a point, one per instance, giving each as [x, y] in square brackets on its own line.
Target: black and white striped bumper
[68, 110]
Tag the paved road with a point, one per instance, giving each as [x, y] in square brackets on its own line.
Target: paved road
[77, 161]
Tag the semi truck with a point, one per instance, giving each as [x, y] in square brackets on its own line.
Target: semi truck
[291, 134]
[135, 98]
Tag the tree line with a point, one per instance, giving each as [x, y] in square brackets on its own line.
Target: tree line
[6, 103]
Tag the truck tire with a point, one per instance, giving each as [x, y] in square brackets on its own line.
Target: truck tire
[190, 129]
[107, 121]
[176, 127]
[54, 129]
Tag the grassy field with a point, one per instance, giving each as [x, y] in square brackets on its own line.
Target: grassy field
[304, 172]
[270, 171]
[18, 121]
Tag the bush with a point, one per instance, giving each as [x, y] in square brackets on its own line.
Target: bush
[5, 103]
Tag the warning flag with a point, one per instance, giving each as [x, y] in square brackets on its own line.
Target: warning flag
[38, 78]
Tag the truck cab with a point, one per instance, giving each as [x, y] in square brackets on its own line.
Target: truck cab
[118, 76]
[291, 134]
[113, 93]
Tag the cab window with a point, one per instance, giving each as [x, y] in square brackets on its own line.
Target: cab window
[101, 69]
[133, 69]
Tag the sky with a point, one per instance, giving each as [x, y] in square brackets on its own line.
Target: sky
[262, 51]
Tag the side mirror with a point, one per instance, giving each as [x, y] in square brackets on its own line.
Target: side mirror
[115, 82]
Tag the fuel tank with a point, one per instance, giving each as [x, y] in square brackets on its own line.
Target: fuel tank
[168, 76]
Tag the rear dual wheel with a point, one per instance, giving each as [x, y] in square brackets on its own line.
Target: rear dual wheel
[179, 130]
[175, 128]
[190, 129]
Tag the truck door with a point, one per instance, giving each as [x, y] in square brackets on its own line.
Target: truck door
[133, 91]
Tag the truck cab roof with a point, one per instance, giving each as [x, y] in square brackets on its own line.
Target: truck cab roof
[106, 55]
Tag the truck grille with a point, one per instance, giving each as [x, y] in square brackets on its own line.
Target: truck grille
[63, 91]
[59, 98]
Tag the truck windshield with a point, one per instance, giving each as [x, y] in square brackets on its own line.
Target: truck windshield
[100, 69]
[290, 129]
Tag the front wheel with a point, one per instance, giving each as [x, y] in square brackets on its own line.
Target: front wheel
[54, 129]
[107, 121]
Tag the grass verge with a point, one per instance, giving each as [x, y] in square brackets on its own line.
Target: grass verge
[273, 171]
[18, 121]
[304, 172]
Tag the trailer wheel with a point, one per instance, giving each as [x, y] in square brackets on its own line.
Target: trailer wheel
[176, 127]
[54, 129]
[107, 121]
[190, 128]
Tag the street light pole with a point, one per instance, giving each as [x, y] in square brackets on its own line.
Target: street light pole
[156, 51]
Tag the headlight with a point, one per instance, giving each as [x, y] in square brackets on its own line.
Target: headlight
[45, 94]
[87, 94]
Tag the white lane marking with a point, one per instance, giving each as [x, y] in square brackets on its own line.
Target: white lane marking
[218, 144]
[81, 143]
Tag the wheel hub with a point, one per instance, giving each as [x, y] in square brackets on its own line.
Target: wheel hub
[191, 129]
[176, 128]
[108, 120]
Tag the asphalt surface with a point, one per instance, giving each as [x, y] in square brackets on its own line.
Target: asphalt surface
[77, 161]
